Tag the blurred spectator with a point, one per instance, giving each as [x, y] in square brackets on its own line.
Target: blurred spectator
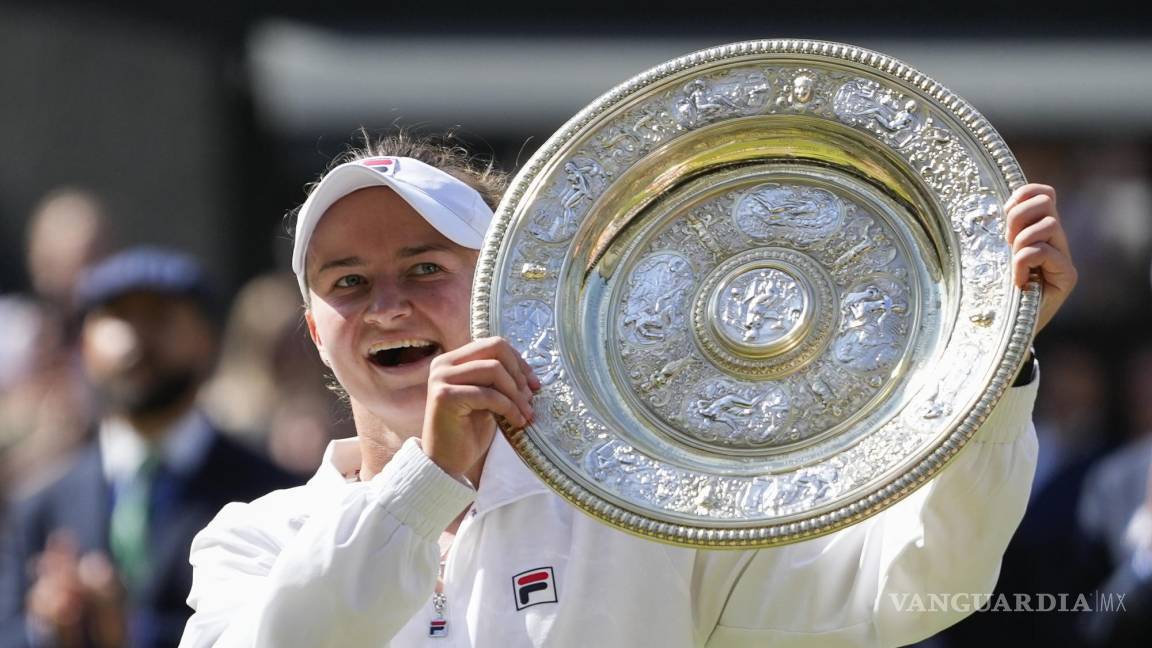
[66, 233]
[242, 393]
[1116, 514]
[300, 430]
[1106, 214]
[1139, 394]
[269, 382]
[99, 556]
[44, 406]
[308, 413]
[1071, 413]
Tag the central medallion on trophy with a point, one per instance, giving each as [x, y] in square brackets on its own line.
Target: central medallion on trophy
[762, 310]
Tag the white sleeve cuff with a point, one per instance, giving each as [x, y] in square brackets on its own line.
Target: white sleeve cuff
[419, 493]
[1011, 415]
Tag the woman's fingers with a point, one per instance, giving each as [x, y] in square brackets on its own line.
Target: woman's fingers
[499, 349]
[1037, 209]
[489, 372]
[474, 398]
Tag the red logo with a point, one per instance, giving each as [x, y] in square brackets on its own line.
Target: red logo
[383, 165]
[534, 587]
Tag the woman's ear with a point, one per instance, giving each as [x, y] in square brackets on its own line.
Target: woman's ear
[315, 335]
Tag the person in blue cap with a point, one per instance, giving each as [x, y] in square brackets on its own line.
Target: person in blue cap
[98, 557]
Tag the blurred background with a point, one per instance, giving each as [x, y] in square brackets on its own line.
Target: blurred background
[197, 127]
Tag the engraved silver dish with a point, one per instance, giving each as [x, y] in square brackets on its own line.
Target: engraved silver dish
[766, 288]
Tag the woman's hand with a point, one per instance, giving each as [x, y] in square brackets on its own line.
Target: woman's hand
[466, 386]
[1039, 244]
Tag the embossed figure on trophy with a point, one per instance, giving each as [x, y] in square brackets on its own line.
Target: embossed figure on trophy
[802, 88]
[770, 304]
[710, 498]
[583, 180]
[982, 233]
[731, 410]
[806, 487]
[549, 226]
[541, 356]
[982, 227]
[872, 329]
[863, 102]
[936, 406]
[650, 316]
[661, 377]
[731, 415]
[796, 212]
[799, 92]
[827, 400]
[870, 307]
[581, 173]
[980, 218]
[703, 100]
[659, 286]
[872, 247]
[939, 403]
[774, 413]
[756, 495]
[739, 95]
[700, 228]
[619, 466]
[530, 322]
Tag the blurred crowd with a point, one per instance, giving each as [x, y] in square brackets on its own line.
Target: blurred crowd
[267, 387]
[259, 384]
[133, 406]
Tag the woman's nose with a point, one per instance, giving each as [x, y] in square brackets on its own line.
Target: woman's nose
[389, 303]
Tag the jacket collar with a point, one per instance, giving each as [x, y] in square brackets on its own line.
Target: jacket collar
[506, 477]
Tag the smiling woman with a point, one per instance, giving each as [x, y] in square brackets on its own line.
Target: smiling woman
[428, 525]
[387, 292]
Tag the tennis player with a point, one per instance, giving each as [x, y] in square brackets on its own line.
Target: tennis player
[427, 530]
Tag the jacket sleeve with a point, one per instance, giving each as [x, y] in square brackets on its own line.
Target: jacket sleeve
[359, 562]
[893, 579]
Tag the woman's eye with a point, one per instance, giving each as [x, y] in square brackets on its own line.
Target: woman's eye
[426, 269]
[348, 281]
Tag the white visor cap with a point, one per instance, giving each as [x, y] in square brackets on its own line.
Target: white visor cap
[456, 210]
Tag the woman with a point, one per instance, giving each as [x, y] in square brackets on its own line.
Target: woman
[427, 528]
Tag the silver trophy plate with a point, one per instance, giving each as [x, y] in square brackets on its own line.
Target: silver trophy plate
[766, 288]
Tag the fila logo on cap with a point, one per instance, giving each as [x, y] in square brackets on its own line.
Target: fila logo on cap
[383, 165]
[534, 587]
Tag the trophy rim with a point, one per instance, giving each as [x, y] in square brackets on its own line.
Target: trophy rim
[880, 496]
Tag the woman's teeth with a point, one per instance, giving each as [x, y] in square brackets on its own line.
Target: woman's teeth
[401, 352]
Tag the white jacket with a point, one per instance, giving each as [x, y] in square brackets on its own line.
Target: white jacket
[351, 564]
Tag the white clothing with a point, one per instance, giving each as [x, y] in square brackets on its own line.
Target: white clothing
[351, 564]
